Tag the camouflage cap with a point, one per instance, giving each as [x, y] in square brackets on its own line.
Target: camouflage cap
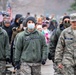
[73, 17]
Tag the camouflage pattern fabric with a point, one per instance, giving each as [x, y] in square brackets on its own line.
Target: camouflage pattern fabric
[29, 69]
[66, 52]
[2, 67]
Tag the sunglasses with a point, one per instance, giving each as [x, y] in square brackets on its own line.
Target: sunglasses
[67, 21]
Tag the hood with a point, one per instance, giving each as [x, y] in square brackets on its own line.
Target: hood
[17, 17]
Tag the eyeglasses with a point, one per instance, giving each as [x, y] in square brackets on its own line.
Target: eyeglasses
[67, 21]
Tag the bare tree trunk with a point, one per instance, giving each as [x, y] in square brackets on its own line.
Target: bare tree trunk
[4, 2]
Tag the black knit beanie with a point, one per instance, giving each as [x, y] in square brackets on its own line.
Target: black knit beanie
[66, 17]
[29, 18]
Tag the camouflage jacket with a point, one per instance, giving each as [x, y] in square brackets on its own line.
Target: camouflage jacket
[66, 47]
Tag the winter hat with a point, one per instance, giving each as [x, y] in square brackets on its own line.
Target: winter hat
[44, 25]
[73, 17]
[27, 19]
[66, 17]
[17, 16]
[47, 18]
[21, 20]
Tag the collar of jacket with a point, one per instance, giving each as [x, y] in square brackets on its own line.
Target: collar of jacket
[28, 33]
[70, 30]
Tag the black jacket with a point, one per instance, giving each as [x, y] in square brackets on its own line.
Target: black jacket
[53, 41]
[9, 31]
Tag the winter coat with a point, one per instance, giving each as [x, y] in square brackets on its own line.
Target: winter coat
[53, 41]
[4, 45]
[66, 48]
[30, 47]
[9, 31]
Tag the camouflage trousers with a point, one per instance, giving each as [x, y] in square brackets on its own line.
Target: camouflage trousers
[2, 67]
[66, 70]
[29, 69]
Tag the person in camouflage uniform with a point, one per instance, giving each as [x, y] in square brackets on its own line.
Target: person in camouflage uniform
[65, 55]
[30, 49]
[4, 51]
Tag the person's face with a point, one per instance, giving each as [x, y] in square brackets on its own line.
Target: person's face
[17, 20]
[73, 24]
[29, 22]
[30, 25]
[66, 22]
[45, 28]
[7, 24]
[39, 28]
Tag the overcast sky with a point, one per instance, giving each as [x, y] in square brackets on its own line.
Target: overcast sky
[45, 7]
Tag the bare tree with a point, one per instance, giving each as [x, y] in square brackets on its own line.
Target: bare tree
[3, 3]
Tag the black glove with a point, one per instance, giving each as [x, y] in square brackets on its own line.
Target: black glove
[17, 65]
[43, 62]
[8, 60]
[49, 56]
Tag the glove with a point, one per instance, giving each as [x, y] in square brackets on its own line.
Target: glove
[8, 60]
[49, 56]
[17, 65]
[43, 62]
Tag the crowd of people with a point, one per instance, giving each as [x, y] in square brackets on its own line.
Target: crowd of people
[27, 42]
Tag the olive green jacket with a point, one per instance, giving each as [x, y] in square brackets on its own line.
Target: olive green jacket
[4, 45]
[30, 47]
